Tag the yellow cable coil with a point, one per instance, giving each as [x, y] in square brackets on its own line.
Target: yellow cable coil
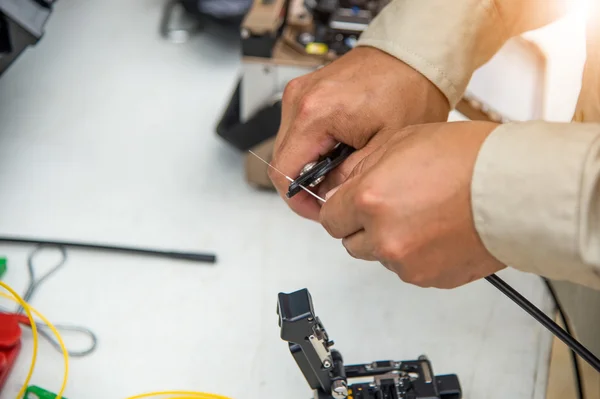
[29, 310]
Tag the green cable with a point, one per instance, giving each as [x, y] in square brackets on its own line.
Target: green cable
[2, 267]
[34, 392]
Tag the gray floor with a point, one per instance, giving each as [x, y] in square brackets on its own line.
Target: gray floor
[107, 134]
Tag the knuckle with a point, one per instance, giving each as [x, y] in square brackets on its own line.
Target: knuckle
[324, 221]
[390, 250]
[350, 252]
[308, 105]
[416, 278]
[368, 199]
[291, 89]
[330, 227]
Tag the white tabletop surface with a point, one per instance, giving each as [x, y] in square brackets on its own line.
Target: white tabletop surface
[107, 135]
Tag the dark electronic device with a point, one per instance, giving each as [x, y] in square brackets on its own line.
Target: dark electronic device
[22, 25]
[314, 173]
[183, 18]
[329, 378]
[339, 23]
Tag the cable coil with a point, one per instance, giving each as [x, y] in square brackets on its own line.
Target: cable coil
[29, 310]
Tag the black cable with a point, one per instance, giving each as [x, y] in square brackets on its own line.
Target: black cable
[198, 257]
[547, 322]
[34, 283]
[563, 317]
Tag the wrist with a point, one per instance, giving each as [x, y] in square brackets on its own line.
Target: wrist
[421, 100]
[425, 101]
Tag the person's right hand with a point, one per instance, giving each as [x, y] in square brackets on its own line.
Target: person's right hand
[360, 99]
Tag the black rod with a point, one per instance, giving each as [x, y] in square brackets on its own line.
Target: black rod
[574, 358]
[193, 256]
[547, 322]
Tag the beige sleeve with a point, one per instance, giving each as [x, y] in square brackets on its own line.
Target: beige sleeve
[536, 199]
[447, 40]
[536, 186]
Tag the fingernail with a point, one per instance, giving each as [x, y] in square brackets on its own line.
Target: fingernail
[330, 193]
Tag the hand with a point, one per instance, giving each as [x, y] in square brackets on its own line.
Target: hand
[408, 206]
[362, 93]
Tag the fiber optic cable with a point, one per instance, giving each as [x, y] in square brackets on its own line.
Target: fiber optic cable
[192, 395]
[29, 310]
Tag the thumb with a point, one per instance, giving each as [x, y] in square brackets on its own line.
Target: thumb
[362, 167]
[367, 162]
[344, 171]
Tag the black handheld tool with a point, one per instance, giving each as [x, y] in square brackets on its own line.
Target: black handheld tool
[314, 173]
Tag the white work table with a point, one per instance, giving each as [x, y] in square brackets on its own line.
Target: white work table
[107, 135]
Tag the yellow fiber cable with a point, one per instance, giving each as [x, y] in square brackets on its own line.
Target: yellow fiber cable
[28, 308]
[63, 348]
[207, 396]
[189, 395]
[15, 297]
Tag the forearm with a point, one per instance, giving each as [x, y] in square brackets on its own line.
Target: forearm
[536, 199]
[447, 40]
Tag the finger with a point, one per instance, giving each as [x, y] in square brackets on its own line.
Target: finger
[304, 142]
[292, 157]
[305, 205]
[292, 143]
[359, 246]
[344, 171]
[317, 121]
[291, 94]
[338, 214]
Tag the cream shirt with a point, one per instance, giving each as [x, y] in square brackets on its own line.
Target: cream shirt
[536, 186]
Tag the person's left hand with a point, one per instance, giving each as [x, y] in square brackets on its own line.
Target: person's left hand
[408, 206]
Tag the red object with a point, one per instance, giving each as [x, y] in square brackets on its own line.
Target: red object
[10, 343]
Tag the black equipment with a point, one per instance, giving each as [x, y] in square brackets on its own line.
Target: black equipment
[223, 10]
[184, 18]
[22, 25]
[339, 23]
[329, 378]
[315, 172]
